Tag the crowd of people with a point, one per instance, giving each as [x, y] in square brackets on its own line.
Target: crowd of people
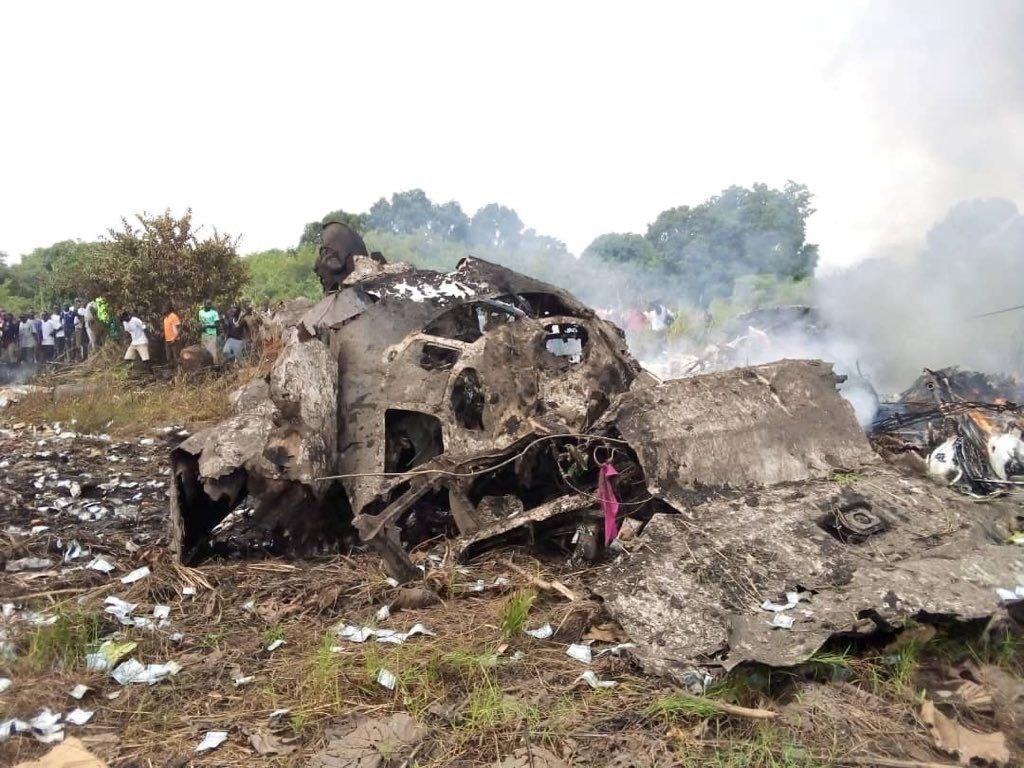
[72, 333]
[67, 333]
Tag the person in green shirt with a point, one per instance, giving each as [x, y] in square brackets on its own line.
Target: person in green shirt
[208, 322]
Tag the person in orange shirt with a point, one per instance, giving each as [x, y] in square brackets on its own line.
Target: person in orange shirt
[172, 335]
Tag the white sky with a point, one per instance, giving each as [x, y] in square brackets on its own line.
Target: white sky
[584, 117]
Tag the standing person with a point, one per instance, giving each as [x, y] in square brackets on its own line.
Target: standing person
[67, 320]
[47, 343]
[57, 324]
[138, 344]
[81, 340]
[172, 335]
[208, 322]
[27, 339]
[9, 338]
[93, 324]
[235, 331]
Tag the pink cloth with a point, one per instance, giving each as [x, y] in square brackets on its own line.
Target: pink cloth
[609, 504]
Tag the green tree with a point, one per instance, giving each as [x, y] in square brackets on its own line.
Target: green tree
[277, 275]
[311, 232]
[140, 268]
[495, 225]
[756, 231]
[626, 248]
[412, 211]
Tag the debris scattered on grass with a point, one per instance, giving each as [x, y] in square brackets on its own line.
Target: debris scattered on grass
[212, 740]
[792, 598]
[386, 678]
[5, 683]
[78, 716]
[275, 644]
[133, 671]
[782, 621]
[541, 633]
[579, 652]
[79, 691]
[362, 634]
[136, 575]
[590, 678]
[107, 655]
[100, 564]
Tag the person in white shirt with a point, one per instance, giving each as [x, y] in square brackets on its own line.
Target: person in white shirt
[58, 332]
[47, 345]
[138, 346]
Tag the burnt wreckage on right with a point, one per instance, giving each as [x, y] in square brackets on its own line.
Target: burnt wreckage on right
[488, 408]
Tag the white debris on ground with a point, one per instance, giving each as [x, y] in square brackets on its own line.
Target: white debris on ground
[212, 740]
[358, 634]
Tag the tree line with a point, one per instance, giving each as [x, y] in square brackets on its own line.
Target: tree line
[738, 249]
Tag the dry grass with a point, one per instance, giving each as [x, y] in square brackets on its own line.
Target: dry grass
[107, 396]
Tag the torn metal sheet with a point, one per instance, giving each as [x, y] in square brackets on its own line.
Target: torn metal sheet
[746, 427]
[692, 592]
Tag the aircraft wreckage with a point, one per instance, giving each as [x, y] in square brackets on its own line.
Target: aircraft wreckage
[492, 409]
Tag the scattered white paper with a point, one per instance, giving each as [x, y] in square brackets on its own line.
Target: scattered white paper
[362, 634]
[391, 582]
[541, 633]
[386, 679]
[275, 645]
[121, 609]
[133, 671]
[616, 650]
[384, 613]
[79, 691]
[5, 683]
[46, 727]
[579, 652]
[78, 716]
[212, 740]
[278, 713]
[591, 679]
[100, 564]
[187, 591]
[138, 573]
[792, 598]
[249, 606]
[782, 621]
[161, 611]
[240, 681]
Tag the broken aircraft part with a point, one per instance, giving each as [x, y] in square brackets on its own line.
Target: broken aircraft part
[481, 405]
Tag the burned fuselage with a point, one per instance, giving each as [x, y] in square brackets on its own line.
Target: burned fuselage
[395, 407]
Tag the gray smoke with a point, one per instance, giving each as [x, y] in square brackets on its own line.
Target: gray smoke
[900, 314]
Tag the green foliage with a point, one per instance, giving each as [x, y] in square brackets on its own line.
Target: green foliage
[412, 211]
[63, 643]
[34, 282]
[141, 269]
[756, 231]
[515, 611]
[277, 275]
[624, 249]
[311, 232]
